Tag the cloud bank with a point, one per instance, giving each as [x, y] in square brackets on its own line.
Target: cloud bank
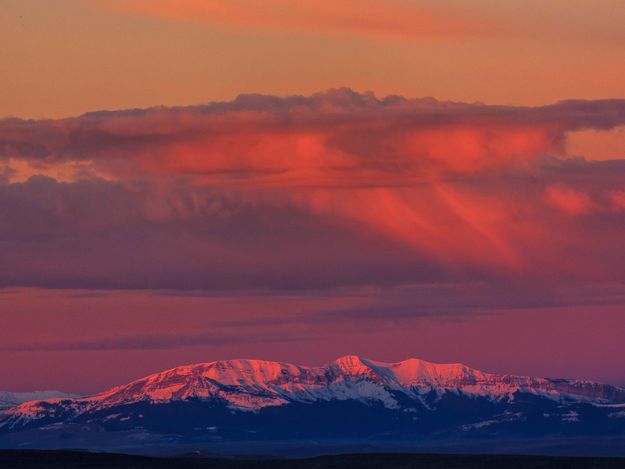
[299, 193]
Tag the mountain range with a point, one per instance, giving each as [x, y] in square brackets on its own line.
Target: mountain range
[350, 399]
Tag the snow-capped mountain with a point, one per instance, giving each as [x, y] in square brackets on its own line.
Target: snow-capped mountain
[352, 397]
[251, 385]
[11, 399]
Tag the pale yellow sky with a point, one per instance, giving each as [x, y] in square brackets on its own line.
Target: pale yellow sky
[66, 57]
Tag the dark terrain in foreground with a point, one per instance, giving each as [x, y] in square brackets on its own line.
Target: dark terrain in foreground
[77, 459]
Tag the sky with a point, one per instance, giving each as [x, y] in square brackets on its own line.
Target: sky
[190, 180]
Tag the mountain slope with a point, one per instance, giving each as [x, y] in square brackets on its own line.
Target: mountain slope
[11, 399]
[352, 397]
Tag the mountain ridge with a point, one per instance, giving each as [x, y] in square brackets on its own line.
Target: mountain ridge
[351, 397]
[9, 399]
[277, 382]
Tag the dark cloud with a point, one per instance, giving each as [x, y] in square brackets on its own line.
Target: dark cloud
[242, 137]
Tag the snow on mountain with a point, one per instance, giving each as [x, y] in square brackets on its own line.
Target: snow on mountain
[11, 399]
[251, 385]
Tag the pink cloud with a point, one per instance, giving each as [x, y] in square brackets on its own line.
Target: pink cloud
[568, 200]
[618, 199]
[359, 189]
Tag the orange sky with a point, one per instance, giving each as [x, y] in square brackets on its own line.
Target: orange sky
[71, 56]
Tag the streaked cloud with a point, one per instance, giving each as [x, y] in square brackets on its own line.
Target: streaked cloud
[369, 17]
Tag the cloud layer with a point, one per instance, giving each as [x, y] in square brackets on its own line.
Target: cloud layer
[299, 193]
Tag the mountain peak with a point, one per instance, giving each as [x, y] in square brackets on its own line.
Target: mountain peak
[351, 361]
